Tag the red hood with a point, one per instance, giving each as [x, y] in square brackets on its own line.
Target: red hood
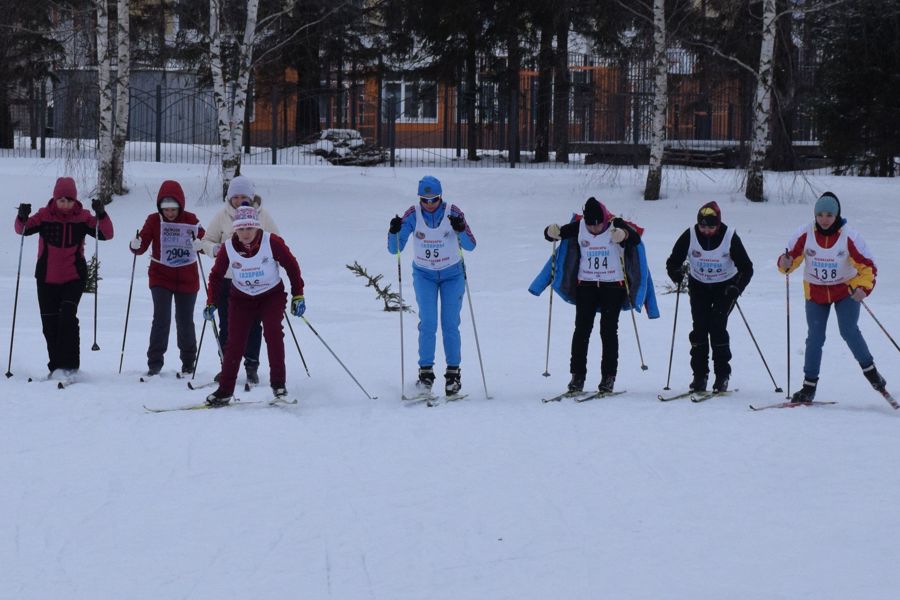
[170, 189]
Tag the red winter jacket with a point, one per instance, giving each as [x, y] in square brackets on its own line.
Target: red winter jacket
[183, 279]
[61, 245]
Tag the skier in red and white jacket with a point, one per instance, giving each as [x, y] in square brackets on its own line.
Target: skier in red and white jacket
[253, 257]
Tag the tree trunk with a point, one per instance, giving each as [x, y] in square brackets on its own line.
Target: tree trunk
[660, 101]
[306, 118]
[231, 104]
[544, 91]
[105, 114]
[761, 106]
[469, 100]
[123, 76]
[562, 87]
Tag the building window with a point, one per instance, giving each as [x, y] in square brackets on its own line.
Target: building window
[414, 101]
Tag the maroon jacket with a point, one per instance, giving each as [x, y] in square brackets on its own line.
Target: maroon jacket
[181, 280]
[280, 252]
[61, 244]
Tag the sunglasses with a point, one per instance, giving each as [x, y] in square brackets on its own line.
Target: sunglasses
[429, 200]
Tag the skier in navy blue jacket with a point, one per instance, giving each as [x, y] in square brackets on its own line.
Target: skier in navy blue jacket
[437, 271]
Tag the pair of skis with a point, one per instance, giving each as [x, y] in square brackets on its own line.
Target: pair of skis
[695, 396]
[581, 396]
[431, 399]
[277, 401]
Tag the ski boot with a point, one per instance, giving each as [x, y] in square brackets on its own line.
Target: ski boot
[607, 383]
[219, 398]
[426, 379]
[875, 378]
[279, 392]
[720, 384]
[698, 384]
[453, 380]
[576, 385]
[807, 393]
[252, 368]
[153, 371]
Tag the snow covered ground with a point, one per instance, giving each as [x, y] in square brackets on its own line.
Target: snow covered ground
[347, 497]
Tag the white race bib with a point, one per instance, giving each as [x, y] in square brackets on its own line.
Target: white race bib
[601, 258]
[711, 266]
[436, 248]
[827, 266]
[175, 248]
[256, 274]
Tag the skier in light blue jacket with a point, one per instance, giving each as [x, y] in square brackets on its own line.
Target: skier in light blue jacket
[438, 270]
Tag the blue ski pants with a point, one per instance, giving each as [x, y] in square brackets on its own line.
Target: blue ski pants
[847, 311]
[450, 285]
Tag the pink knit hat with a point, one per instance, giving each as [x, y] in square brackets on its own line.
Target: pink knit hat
[65, 188]
[245, 216]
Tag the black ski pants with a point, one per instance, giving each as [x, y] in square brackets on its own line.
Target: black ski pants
[59, 319]
[589, 297]
[709, 311]
[162, 321]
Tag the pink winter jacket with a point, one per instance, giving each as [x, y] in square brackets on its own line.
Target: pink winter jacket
[61, 244]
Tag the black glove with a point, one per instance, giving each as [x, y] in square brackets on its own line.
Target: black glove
[396, 224]
[732, 292]
[619, 223]
[458, 224]
[676, 276]
[99, 208]
[24, 212]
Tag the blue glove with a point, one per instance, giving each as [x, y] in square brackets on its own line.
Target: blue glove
[298, 306]
[209, 312]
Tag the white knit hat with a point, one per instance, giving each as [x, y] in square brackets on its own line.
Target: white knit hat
[241, 186]
[245, 216]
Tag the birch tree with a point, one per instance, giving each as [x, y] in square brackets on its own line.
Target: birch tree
[762, 105]
[231, 100]
[105, 114]
[122, 84]
[660, 101]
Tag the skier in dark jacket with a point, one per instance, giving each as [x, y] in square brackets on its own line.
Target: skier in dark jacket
[61, 269]
[719, 271]
[601, 287]
[171, 231]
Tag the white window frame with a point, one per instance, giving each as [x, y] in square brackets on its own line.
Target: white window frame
[401, 116]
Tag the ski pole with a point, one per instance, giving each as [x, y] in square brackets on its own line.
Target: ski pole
[787, 301]
[96, 347]
[633, 319]
[214, 328]
[296, 343]
[308, 324]
[462, 260]
[128, 309]
[753, 337]
[674, 325]
[400, 288]
[550, 310]
[12, 333]
[866, 306]
[199, 346]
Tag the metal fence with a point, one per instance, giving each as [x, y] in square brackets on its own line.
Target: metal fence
[389, 120]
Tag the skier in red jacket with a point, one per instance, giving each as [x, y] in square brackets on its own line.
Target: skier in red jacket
[257, 294]
[171, 232]
[61, 269]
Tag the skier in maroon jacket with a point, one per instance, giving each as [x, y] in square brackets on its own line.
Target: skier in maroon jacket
[257, 294]
[61, 269]
[172, 232]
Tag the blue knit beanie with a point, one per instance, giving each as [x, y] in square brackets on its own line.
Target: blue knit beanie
[828, 203]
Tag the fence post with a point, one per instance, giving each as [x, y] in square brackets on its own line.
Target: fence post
[392, 131]
[42, 119]
[274, 137]
[247, 108]
[459, 113]
[158, 123]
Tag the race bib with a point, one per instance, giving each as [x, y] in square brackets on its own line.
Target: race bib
[175, 248]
